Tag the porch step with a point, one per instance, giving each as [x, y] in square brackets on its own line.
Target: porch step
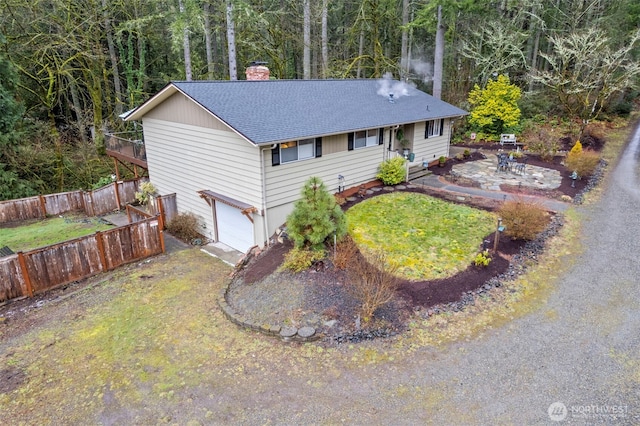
[418, 171]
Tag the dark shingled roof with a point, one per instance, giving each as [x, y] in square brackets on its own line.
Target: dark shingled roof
[280, 110]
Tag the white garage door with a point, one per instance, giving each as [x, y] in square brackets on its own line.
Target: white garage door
[234, 228]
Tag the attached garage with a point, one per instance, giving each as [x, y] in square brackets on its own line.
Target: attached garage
[233, 221]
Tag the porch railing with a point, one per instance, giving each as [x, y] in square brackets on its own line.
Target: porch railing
[127, 145]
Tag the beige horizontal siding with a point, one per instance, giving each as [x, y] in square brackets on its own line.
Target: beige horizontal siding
[334, 144]
[180, 109]
[432, 148]
[184, 159]
[285, 181]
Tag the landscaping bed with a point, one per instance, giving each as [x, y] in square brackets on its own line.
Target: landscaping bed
[318, 297]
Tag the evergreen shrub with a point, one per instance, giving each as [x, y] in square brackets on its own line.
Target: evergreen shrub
[392, 171]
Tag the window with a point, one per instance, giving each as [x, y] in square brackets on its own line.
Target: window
[365, 138]
[434, 128]
[297, 150]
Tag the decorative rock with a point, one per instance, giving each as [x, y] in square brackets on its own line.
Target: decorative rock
[368, 192]
[306, 332]
[401, 187]
[376, 189]
[275, 329]
[288, 332]
[330, 323]
[389, 188]
[351, 198]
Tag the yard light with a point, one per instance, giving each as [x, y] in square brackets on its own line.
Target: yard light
[500, 228]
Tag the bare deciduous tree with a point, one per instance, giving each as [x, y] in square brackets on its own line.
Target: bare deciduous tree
[372, 282]
[584, 71]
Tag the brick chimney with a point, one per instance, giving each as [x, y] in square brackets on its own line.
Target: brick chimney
[257, 71]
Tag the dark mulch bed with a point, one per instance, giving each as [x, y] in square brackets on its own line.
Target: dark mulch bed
[420, 293]
[327, 296]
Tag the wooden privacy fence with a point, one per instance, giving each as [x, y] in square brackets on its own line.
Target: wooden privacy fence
[32, 272]
[164, 206]
[93, 203]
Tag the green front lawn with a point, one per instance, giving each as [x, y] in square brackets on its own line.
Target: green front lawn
[48, 231]
[427, 237]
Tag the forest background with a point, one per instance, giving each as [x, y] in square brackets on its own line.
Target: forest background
[69, 68]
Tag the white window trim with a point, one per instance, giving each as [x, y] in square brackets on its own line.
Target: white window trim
[436, 131]
[312, 142]
[367, 138]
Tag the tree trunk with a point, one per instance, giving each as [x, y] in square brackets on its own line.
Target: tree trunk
[325, 39]
[207, 39]
[404, 49]
[360, 52]
[75, 99]
[438, 60]
[534, 58]
[231, 42]
[306, 53]
[113, 57]
[186, 46]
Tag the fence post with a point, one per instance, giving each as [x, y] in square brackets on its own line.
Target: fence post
[84, 204]
[103, 257]
[43, 205]
[115, 186]
[160, 205]
[161, 235]
[25, 273]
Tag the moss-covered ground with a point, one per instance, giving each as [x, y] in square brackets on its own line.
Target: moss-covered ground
[49, 231]
[424, 236]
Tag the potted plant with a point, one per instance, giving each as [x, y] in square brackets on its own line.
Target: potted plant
[145, 194]
[442, 160]
[404, 143]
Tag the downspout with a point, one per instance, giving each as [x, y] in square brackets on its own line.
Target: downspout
[263, 178]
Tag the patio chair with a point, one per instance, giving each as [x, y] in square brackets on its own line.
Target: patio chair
[520, 167]
[503, 163]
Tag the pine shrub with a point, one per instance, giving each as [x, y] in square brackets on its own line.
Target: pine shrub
[577, 149]
[523, 219]
[315, 217]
